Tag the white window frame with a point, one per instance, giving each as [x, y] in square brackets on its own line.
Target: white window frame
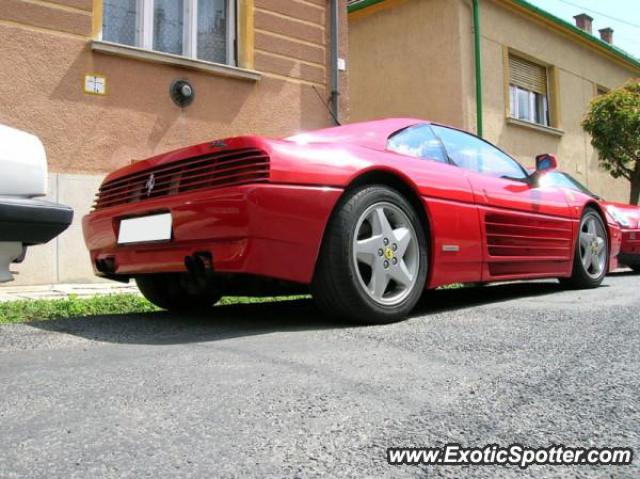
[533, 106]
[144, 29]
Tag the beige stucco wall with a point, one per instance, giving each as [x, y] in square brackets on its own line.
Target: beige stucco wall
[404, 62]
[416, 58]
[579, 69]
[45, 51]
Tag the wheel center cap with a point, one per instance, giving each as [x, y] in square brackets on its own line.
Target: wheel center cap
[388, 253]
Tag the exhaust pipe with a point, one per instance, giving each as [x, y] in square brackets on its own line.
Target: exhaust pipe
[199, 265]
[107, 268]
[106, 265]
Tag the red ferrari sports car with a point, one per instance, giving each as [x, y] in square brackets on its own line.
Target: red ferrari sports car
[627, 217]
[364, 216]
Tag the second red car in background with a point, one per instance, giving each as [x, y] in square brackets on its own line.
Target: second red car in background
[626, 216]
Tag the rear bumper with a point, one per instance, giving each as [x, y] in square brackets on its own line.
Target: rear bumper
[630, 248]
[32, 221]
[263, 229]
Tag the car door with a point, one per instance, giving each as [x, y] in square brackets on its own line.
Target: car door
[527, 230]
[456, 249]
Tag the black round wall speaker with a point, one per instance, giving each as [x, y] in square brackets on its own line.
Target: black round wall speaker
[182, 93]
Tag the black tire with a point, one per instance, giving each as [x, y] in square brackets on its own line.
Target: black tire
[336, 287]
[178, 291]
[580, 277]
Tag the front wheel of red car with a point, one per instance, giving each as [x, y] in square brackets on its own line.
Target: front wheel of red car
[591, 260]
[178, 291]
[373, 263]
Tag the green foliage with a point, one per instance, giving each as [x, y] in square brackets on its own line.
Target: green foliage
[613, 121]
[27, 310]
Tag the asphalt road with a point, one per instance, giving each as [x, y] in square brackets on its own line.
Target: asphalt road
[279, 391]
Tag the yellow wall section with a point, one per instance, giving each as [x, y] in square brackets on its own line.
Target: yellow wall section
[96, 23]
[246, 35]
[508, 4]
[405, 61]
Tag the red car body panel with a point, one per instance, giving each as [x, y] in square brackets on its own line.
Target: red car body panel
[265, 230]
[481, 228]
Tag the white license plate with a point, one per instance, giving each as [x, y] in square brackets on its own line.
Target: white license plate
[145, 229]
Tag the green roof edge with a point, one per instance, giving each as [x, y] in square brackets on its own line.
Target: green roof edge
[354, 7]
[359, 5]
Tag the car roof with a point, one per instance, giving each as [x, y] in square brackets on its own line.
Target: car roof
[370, 134]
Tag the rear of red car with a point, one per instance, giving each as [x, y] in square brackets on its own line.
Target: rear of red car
[213, 205]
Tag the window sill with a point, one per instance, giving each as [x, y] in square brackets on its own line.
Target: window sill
[175, 60]
[534, 126]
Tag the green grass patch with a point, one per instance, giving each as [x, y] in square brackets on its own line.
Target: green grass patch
[27, 310]
[228, 300]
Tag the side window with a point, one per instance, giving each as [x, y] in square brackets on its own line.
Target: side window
[418, 141]
[472, 153]
[558, 179]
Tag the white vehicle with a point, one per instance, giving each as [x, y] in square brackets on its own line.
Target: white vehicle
[25, 220]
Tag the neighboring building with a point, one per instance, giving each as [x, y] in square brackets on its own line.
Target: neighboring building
[539, 74]
[91, 78]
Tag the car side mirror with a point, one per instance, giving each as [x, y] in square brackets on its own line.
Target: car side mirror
[546, 162]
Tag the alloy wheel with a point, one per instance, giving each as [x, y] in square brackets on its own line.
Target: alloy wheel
[386, 253]
[593, 246]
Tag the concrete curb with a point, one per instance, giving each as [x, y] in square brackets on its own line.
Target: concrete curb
[62, 291]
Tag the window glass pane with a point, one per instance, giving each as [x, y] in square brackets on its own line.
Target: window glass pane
[462, 148]
[119, 21]
[542, 111]
[472, 153]
[417, 141]
[537, 108]
[523, 104]
[495, 163]
[562, 180]
[212, 30]
[168, 33]
[529, 106]
[558, 180]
